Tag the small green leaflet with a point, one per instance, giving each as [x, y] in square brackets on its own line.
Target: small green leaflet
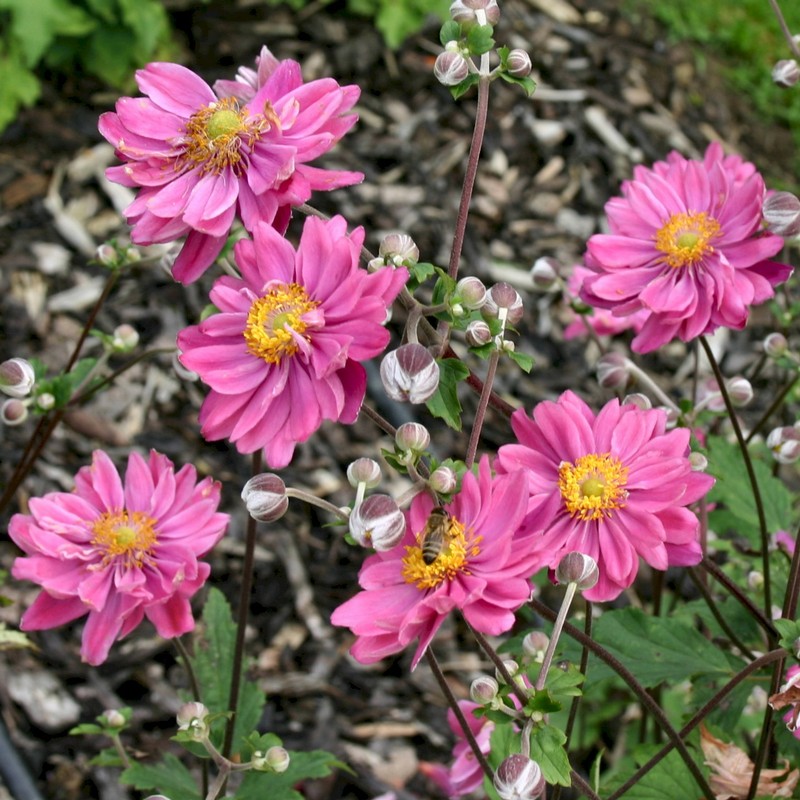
[445, 403]
[547, 750]
[169, 777]
[668, 780]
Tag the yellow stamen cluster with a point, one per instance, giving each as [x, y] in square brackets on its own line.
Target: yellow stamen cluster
[593, 486]
[216, 133]
[125, 536]
[272, 319]
[457, 549]
[685, 238]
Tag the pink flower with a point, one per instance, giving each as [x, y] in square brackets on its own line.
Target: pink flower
[482, 569]
[686, 246]
[201, 160]
[119, 550]
[614, 487]
[790, 717]
[283, 354]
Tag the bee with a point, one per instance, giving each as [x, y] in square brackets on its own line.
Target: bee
[434, 535]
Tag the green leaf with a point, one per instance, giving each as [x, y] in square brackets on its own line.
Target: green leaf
[527, 83]
[522, 360]
[445, 403]
[464, 86]
[450, 32]
[13, 640]
[789, 629]
[547, 750]
[668, 780]
[169, 777]
[419, 273]
[479, 39]
[302, 766]
[18, 87]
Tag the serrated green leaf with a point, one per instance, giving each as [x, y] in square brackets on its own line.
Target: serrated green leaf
[668, 780]
[464, 86]
[445, 403]
[522, 360]
[108, 757]
[450, 32]
[302, 766]
[789, 629]
[19, 87]
[13, 640]
[527, 83]
[547, 750]
[169, 777]
[479, 39]
[88, 728]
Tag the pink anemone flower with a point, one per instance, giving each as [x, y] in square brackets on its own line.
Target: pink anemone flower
[613, 486]
[482, 570]
[687, 247]
[119, 550]
[200, 160]
[282, 356]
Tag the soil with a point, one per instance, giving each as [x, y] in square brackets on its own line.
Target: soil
[612, 92]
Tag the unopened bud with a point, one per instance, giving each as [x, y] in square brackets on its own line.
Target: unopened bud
[410, 374]
[191, 718]
[471, 292]
[113, 718]
[786, 73]
[781, 212]
[613, 371]
[578, 567]
[13, 412]
[535, 644]
[519, 778]
[45, 401]
[443, 480]
[755, 580]
[503, 299]
[698, 462]
[397, 248]
[785, 444]
[478, 333]
[125, 338]
[412, 436]
[265, 497]
[278, 759]
[544, 273]
[775, 345]
[377, 522]
[464, 13]
[519, 63]
[740, 391]
[450, 68]
[366, 471]
[106, 254]
[512, 668]
[484, 690]
[16, 377]
[637, 399]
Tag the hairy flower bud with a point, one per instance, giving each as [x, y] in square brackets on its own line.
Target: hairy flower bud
[740, 390]
[377, 522]
[16, 377]
[544, 273]
[471, 292]
[13, 412]
[781, 212]
[775, 345]
[463, 12]
[397, 248]
[637, 399]
[443, 480]
[450, 68]
[45, 401]
[613, 371]
[277, 758]
[478, 333]
[483, 690]
[503, 299]
[512, 668]
[265, 497]
[535, 644]
[519, 778]
[785, 444]
[366, 471]
[192, 719]
[578, 568]
[412, 436]
[113, 718]
[125, 338]
[519, 63]
[410, 374]
[786, 73]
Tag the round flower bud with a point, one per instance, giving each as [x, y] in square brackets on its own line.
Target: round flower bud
[483, 690]
[396, 248]
[781, 212]
[410, 374]
[519, 778]
[125, 338]
[775, 345]
[786, 73]
[511, 667]
[192, 719]
[637, 399]
[698, 462]
[278, 759]
[13, 412]
[366, 471]
[503, 296]
[519, 63]
[443, 480]
[157, 797]
[113, 718]
[450, 68]
[45, 401]
[544, 271]
[740, 391]
[755, 579]
[578, 568]
[265, 497]
[612, 371]
[464, 13]
[106, 254]
[412, 436]
[535, 644]
[785, 444]
[478, 333]
[16, 377]
[377, 522]
[471, 292]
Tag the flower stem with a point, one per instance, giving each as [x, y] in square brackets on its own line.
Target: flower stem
[787, 34]
[313, 500]
[644, 378]
[541, 679]
[480, 414]
[499, 665]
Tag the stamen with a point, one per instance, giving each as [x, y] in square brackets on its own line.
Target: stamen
[127, 537]
[458, 548]
[685, 238]
[593, 486]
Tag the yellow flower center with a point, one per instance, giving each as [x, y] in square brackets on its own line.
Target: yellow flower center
[593, 486]
[457, 547]
[686, 237]
[217, 132]
[275, 319]
[126, 536]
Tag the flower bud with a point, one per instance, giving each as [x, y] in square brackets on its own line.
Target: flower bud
[512, 668]
[578, 568]
[366, 471]
[45, 401]
[191, 718]
[443, 480]
[740, 390]
[450, 68]
[16, 377]
[377, 522]
[471, 292]
[125, 338]
[503, 299]
[785, 444]
[775, 345]
[781, 212]
[612, 371]
[278, 759]
[709, 395]
[13, 412]
[519, 63]
[698, 462]
[106, 254]
[113, 718]
[157, 797]
[637, 399]
[483, 690]
[786, 73]
[544, 273]
[397, 248]
[519, 778]
[464, 13]
[412, 436]
[755, 580]
[265, 497]
[410, 374]
[478, 333]
[535, 644]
